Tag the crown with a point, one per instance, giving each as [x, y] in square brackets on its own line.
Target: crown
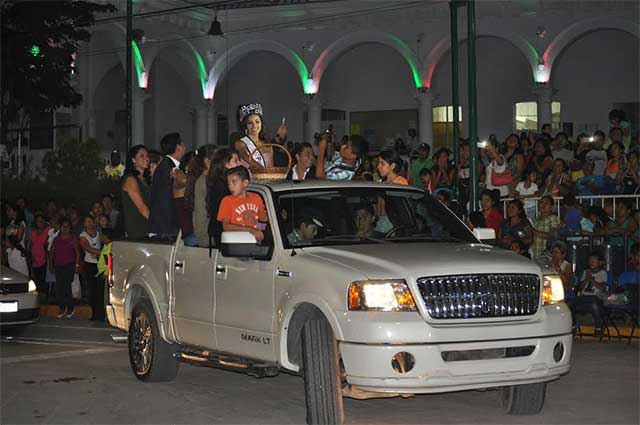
[252, 108]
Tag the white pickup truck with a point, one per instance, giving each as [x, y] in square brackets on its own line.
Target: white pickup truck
[364, 289]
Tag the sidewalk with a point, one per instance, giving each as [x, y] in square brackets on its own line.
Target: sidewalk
[82, 311]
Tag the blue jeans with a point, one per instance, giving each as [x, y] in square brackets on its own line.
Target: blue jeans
[190, 240]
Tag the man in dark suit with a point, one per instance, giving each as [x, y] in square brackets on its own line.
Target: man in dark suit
[163, 216]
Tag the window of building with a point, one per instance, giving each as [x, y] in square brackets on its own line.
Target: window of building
[526, 116]
[443, 126]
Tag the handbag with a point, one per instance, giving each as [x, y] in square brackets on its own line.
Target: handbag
[76, 292]
[501, 179]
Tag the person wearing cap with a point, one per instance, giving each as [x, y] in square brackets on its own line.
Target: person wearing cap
[306, 227]
[249, 147]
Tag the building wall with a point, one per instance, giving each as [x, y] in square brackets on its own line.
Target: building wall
[593, 73]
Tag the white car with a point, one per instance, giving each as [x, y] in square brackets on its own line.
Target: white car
[18, 298]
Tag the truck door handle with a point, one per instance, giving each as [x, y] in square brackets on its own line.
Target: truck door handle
[179, 264]
[221, 269]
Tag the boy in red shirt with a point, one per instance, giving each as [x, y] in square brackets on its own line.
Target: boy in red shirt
[241, 211]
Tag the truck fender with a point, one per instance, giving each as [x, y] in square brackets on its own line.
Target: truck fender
[138, 288]
[297, 310]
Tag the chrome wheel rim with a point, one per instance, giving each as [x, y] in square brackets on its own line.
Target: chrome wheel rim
[141, 343]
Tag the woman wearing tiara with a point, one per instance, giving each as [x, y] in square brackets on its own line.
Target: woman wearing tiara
[255, 137]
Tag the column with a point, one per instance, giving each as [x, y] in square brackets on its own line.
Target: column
[200, 113]
[543, 92]
[424, 97]
[314, 112]
[212, 123]
[137, 111]
[91, 124]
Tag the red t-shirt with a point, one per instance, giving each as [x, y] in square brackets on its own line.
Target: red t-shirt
[38, 242]
[494, 219]
[242, 211]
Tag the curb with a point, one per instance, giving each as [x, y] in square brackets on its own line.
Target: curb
[51, 310]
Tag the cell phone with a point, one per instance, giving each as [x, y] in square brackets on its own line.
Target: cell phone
[483, 144]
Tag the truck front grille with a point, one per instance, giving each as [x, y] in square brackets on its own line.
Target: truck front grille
[14, 288]
[480, 296]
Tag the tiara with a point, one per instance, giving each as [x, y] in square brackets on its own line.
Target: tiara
[252, 108]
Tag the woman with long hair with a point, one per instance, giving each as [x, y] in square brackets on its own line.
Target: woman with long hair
[515, 227]
[136, 193]
[180, 177]
[66, 259]
[391, 167]
[489, 209]
[195, 196]
[443, 173]
[222, 160]
[249, 147]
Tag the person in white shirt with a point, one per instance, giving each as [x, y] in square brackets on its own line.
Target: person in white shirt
[597, 154]
[16, 256]
[528, 189]
[592, 291]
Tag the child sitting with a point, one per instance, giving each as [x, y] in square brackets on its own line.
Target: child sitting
[528, 189]
[241, 211]
[426, 178]
[592, 291]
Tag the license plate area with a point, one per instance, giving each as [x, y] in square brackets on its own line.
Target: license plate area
[8, 306]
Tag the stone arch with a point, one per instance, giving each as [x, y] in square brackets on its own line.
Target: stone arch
[115, 35]
[189, 53]
[443, 45]
[579, 29]
[338, 47]
[234, 54]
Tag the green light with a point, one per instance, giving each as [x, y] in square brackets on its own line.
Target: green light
[407, 54]
[137, 56]
[202, 70]
[303, 72]
[35, 51]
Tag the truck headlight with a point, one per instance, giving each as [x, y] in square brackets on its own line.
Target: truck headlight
[552, 290]
[380, 295]
[32, 286]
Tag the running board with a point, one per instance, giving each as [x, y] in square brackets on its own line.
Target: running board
[220, 361]
[119, 338]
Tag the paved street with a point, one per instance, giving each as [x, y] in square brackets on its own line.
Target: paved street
[69, 372]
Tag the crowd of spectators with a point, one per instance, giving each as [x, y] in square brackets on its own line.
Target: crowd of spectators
[196, 193]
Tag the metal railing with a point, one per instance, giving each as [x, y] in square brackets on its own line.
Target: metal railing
[591, 200]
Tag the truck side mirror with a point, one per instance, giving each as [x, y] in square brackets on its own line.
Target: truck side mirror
[484, 233]
[243, 245]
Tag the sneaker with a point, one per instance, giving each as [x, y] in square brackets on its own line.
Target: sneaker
[62, 313]
[71, 313]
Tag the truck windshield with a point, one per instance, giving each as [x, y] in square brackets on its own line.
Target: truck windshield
[321, 217]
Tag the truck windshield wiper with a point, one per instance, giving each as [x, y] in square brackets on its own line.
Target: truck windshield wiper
[349, 238]
[426, 238]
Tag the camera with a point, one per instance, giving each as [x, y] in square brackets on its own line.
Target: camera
[318, 135]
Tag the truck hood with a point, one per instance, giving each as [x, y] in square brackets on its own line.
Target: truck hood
[413, 260]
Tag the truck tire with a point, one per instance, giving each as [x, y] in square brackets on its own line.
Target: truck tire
[524, 399]
[150, 356]
[321, 374]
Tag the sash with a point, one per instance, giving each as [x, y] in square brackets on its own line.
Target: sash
[256, 155]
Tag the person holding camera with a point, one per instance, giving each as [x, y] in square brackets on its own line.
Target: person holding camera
[344, 166]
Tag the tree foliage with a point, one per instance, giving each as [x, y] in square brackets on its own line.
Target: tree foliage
[74, 162]
[41, 39]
